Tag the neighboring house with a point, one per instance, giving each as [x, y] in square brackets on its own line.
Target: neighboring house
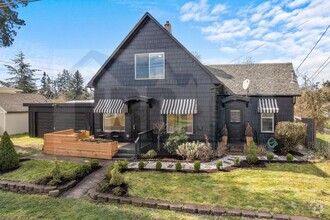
[152, 77]
[13, 115]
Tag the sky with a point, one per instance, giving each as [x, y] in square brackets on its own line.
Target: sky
[82, 34]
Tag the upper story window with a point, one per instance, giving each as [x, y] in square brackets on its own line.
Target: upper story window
[150, 66]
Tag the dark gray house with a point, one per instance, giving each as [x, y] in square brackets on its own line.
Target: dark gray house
[152, 77]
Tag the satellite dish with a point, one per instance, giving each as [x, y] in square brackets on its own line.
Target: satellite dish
[246, 84]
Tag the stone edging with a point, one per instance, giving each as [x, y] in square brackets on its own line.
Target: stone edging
[189, 208]
[53, 191]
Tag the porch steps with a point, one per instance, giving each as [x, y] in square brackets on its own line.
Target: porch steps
[125, 152]
[123, 156]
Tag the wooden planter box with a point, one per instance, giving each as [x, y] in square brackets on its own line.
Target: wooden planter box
[67, 143]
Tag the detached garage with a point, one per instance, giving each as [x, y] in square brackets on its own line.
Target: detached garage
[50, 117]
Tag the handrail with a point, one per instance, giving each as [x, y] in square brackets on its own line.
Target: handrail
[138, 142]
[144, 132]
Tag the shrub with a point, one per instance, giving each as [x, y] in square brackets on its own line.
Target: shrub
[94, 164]
[178, 166]
[219, 164]
[221, 149]
[54, 182]
[290, 134]
[159, 165]
[197, 165]
[56, 172]
[270, 156]
[122, 165]
[224, 131]
[248, 130]
[68, 176]
[205, 152]
[83, 170]
[261, 149]
[150, 154]
[117, 191]
[252, 153]
[175, 140]
[103, 186]
[236, 161]
[289, 157]
[188, 150]
[108, 173]
[141, 165]
[116, 177]
[44, 180]
[9, 159]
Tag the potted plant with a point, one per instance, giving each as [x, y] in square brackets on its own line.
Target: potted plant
[224, 134]
[248, 134]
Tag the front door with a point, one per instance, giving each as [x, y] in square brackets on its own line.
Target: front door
[235, 120]
[140, 118]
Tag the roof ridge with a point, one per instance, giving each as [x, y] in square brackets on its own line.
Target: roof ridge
[243, 64]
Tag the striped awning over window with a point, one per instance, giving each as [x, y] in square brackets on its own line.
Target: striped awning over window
[268, 106]
[179, 106]
[111, 106]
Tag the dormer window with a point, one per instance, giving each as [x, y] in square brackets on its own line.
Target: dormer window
[150, 66]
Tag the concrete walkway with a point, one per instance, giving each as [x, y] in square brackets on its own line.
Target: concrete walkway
[88, 182]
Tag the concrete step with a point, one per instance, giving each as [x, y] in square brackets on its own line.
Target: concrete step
[123, 156]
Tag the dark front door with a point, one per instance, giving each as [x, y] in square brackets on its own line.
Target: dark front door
[235, 120]
[140, 118]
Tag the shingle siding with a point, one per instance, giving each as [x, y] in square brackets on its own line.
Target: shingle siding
[184, 78]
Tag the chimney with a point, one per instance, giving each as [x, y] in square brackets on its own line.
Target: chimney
[168, 26]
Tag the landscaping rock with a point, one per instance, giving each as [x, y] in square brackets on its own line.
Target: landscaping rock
[204, 210]
[137, 201]
[111, 198]
[299, 218]
[189, 208]
[234, 212]
[54, 193]
[264, 215]
[49, 188]
[29, 188]
[125, 200]
[38, 189]
[249, 214]
[103, 197]
[150, 203]
[218, 211]
[176, 207]
[281, 217]
[163, 205]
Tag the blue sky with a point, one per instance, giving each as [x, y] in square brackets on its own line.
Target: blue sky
[65, 34]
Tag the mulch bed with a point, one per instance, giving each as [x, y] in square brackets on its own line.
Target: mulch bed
[294, 153]
[258, 164]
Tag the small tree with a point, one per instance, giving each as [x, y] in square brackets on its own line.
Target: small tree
[175, 140]
[159, 130]
[252, 153]
[9, 159]
[116, 177]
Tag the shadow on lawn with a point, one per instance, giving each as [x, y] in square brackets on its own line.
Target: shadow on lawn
[304, 168]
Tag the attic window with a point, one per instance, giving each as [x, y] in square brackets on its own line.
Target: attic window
[150, 66]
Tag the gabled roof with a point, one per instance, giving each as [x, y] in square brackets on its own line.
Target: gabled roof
[4, 89]
[13, 102]
[266, 79]
[131, 35]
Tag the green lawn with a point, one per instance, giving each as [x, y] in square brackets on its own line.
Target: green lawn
[32, 170]
[297, 189]
[26, 145]
[323, 137]
[23, 206]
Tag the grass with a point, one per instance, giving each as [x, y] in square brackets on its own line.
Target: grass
[295, 189]
[32, 170]
[20, 206]
[26, 145]
[323, 137]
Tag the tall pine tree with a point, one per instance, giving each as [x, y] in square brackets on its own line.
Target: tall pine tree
[62, 83]
[23, 75]
[46, 87]
[76, 87]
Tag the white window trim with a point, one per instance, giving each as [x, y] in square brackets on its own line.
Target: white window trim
[149, 66]
[273, 125]
[121, 131]
[192, 125]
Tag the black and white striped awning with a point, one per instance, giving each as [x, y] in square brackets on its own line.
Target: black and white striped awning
[267, 106]
[111, 106]
[179, 106]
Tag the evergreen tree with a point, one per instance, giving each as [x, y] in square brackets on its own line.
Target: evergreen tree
[76, 87]
[62, 82]
[9, 159]
[23, 75]
[46, 87]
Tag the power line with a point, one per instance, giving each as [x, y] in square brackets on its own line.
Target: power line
[319, 67]
[261, 45]
[321, 70]
[313, 47]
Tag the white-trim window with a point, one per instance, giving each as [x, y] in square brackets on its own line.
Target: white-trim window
[267, 122]
[114, 122]
[150, 66]
[235, 115]
[177, 122]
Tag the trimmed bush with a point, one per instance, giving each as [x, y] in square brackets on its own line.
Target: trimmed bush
[83, 170]
[108, 173]
[219, 164]
[141, 165]
[289, 157]
[122, 165]
[56, 172]
[252, 153]
[103, 186]
[159, 165]
[150, 154]
[188, 150]
[95, 164]
[270, 156]
[290, 134]
[178, 166]
[117, 191]
[116, 177]
[9, 159]
[175, 140]
[197, 165]
[205, 152]
[236, 162]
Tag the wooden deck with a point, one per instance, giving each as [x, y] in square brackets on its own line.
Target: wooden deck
[68, 143]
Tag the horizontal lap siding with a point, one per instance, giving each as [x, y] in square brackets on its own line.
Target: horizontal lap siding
[184, 78]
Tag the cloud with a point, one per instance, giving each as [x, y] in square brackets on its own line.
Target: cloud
[201, 11]
[272, 30]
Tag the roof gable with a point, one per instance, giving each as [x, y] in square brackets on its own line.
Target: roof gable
[13, 102]
[131, 35]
